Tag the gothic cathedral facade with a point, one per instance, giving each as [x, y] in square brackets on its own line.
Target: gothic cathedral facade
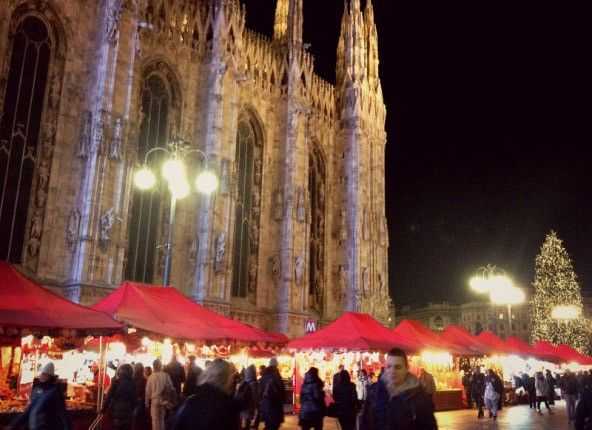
[296, 229]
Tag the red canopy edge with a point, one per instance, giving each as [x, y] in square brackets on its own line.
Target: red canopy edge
[351, 331]
[494, 342]
[25, 304]
[546, 351]
[422, 337]
[165, 311]
[570, 354]
[520, 347]
[460, 336]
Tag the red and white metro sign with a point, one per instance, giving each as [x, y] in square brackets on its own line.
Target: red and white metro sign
[310, 326]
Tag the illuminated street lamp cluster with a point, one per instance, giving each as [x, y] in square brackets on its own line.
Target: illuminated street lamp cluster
[500, 288]
[175, 174]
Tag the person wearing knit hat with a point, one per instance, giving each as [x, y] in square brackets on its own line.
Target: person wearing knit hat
[271, 406]
[47, 408]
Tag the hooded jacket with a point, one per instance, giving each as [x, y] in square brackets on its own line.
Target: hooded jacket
[312, 399]
[46, 411]
[407, 407]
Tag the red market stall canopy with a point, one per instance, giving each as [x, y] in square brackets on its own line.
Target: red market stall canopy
[462, 338]
[165, 311]
[25, 305]
[421, 337]
[351, 331]
[546, 351]
[570, 355]
[494, 343]
[519, 347]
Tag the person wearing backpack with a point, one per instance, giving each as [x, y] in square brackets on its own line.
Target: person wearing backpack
[397, 400]
[247, 396]
[312, 401]
[273, 394]
[569, 391]
[47, 409]
[121, 399]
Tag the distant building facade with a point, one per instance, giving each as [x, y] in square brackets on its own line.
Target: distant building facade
[473, 316]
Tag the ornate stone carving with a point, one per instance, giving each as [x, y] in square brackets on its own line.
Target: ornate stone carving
[278, 205]
[365, 282]
[254, 237]
[365, 225]
[252, 276]
[113, 21]
[73, 228]
[84, 144]
[383, 232]
[301, 205]
[275, 268]
[192, 254]
[225, 176]
[220, 252]
[106, 223]
[116, 139]
[299, 270]
[340, 286]
[342, 226]
[99, 129]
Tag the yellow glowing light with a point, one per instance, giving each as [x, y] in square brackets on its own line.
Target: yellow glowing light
[179, 188]
[117, 349]
[167, 351]
[479, 284]
[438, 358]
[144, 179]
[504, 293]
[206, 182]
[566, 312]
[146, 342]
[173, 169]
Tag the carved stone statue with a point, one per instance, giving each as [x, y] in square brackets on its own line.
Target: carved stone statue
[224, 176]
[36, 224]
[193, 250]
[105, 225]
[299, 270]
[33, 246]
[383, 231]
[116, 139]
[278, 207]
[365, 282]
[84, 144]
[73, 228]
[341, 284]
[275, 267]
[252, 276]
[99, 132]
[343, 226]
[301, 206]
[43, 173]
[218, 73]
[220, 252]
[254, 236]
[365, 225]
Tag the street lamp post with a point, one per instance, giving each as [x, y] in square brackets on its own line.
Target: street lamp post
[174, 173]
[500, 288]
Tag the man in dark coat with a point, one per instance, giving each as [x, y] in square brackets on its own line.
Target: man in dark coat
[569, 391]
[312, 401]
[397, 400]
[272, 393]
[346, 401]
[466, 381]
[122, 398]
[551, 384]
[177, 373]
[212, 406]
[47, 409]
[478, 390]
[193, 372]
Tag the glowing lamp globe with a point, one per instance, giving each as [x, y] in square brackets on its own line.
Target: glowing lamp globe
[179, 188]
[479, 284]
[173, 169]
[206, 182]
[144, 179]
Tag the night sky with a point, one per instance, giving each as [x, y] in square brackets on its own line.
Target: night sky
[489, 133]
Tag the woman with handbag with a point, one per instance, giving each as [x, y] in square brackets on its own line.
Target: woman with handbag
[312, 401]
[159, 389]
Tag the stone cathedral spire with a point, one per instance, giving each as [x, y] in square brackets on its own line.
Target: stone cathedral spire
[361, 139]
[289, 18]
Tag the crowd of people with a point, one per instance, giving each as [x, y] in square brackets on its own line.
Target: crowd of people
[177, 397]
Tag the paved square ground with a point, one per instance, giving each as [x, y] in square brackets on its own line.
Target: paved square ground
[510, 418]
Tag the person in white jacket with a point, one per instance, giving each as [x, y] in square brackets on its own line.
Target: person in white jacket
[541, 387]
[158, 387]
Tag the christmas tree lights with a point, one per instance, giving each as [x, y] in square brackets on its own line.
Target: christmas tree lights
[555, 284]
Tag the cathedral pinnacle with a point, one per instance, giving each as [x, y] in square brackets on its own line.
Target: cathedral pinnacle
[288, 23]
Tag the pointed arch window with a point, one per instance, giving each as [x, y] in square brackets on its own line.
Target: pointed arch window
[145, 216]
[20, 125]
[316, 194]
[248, 167]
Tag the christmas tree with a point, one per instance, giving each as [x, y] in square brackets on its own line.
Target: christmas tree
[555, 284]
